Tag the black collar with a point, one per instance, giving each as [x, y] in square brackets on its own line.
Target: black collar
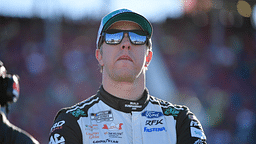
[123, 105]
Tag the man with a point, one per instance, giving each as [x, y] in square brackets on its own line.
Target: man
[122, 111]
[9, 92]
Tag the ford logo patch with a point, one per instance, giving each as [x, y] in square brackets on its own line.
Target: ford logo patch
[152, 114]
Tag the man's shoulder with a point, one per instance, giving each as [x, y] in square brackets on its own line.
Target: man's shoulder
[165, 104]
[66, 126]
[80, 109]
[168, 108]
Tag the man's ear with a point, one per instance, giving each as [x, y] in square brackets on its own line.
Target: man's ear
[148, 58]
[98, 56]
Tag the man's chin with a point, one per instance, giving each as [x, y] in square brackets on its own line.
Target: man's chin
[124, 74]
[129, 78]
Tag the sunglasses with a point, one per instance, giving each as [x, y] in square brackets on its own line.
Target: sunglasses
[114, 36]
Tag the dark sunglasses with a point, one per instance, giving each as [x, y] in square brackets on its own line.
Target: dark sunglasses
[114, 36]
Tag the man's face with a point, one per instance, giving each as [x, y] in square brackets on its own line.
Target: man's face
[123, 62]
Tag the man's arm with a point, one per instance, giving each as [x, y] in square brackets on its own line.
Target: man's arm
[189, 129]
[65, 129]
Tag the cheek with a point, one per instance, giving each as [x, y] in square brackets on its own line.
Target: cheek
[108, 56]
[141, 56]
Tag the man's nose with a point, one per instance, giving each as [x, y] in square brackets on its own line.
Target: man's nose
[126, 42]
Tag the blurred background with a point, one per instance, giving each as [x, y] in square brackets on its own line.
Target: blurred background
[204, 57]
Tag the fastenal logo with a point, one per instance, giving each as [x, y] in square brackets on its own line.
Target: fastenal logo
[152, 114]
[154, 129]
[102, 116]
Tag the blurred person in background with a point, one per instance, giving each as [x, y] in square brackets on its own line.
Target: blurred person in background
[9, 93]
[122, 111]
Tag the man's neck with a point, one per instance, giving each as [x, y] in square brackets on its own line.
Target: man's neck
[125, 90]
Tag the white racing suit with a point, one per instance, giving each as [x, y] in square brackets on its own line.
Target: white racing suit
[104, 118]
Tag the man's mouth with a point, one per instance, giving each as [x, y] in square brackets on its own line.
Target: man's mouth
[125, 57]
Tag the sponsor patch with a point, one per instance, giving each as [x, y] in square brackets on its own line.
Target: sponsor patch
[195, 132]
[93, 135]
[152, 114]
[133, 105]
[105, 141]
[57, 139]
[154, 122]
[102, 116]
[154, 129]
[114, 134]
[91, 127]
[57, 125]
[195, 124]
[171, 111]
[113, 126]
[78, 112]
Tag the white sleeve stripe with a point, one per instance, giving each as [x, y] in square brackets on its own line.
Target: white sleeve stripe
[80, 107]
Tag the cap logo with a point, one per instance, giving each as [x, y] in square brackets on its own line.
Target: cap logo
[107, 17]
[120, 11]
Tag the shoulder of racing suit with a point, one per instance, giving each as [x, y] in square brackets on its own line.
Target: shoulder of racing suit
[65, 128]
[188, 127]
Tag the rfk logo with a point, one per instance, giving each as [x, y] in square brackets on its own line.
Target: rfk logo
[113, 126]
[57, 139]
[154, 122]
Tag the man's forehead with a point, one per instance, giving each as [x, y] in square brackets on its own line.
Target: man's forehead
[125, 25]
